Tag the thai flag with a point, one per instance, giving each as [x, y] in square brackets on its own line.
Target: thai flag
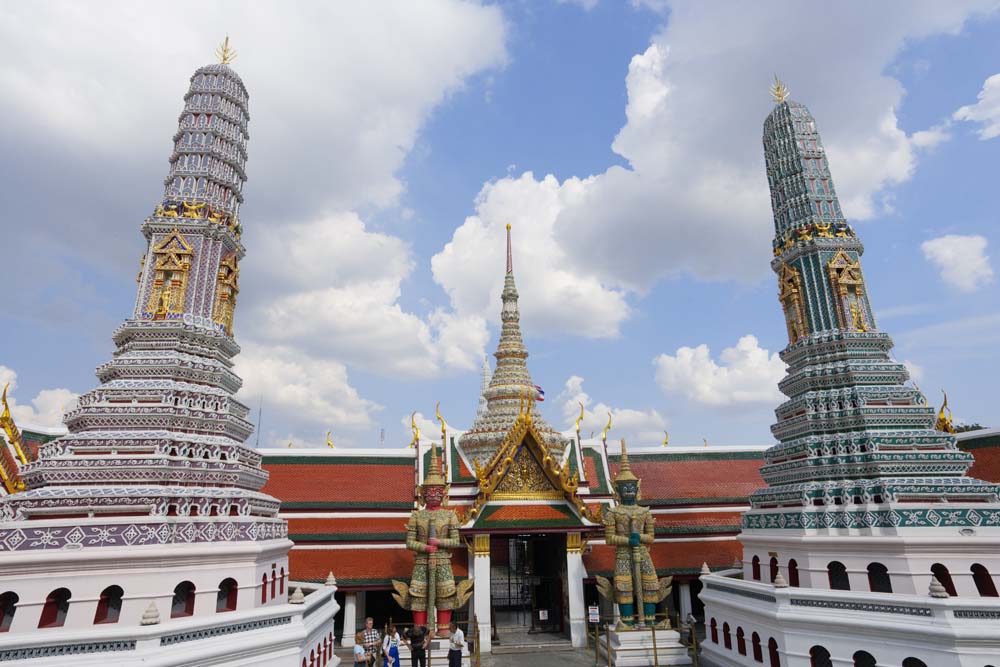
[541, 394]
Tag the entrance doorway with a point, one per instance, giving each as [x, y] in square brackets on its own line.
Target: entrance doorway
[526, 585]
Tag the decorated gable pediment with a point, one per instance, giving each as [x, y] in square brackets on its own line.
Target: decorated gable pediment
[524, 468]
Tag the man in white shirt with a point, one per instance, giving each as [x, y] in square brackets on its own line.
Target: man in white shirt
[455, 645]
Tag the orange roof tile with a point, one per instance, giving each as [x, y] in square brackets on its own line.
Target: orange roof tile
[340, 483]
[676, 479]
[362, 567]
[670, 557]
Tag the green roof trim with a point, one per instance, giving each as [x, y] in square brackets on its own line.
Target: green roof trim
[347, 537]
[339, 460]
[717, 500]
[602, 485]
[696, 530]
[707, 455]
[569, 520]
[984, 442]
[346, 505]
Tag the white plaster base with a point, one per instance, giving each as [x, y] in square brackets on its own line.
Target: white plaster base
[635, 648]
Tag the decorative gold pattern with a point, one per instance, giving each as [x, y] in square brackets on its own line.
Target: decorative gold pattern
[778, 90]
[792, 302]
[848, 288]
[416, 431]
[524, 431]
[171, 264]
[574, 543]
[225, 53]
[481, 544]
[227, 288]
[604, 433]
[10, 478]
[525, 479]
[329, 442]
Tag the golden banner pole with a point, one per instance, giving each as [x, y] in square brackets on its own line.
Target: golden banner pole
[656, 657]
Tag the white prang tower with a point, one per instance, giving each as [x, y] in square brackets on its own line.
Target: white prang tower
[142, 535]
[870, 544]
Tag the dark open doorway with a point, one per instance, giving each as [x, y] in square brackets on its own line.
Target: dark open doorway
[526, 585]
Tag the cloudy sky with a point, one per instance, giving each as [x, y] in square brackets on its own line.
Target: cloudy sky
[392, 141]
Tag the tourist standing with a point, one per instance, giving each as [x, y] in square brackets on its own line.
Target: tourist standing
[372, 640]
[390, 648]
[418, 638]
[455, 645]
[360, 660]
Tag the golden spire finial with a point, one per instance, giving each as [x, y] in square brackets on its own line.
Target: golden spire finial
[604, 433]
[778, 90]
[329, 443]
[666, 438]
[225, 52]
[625, 471]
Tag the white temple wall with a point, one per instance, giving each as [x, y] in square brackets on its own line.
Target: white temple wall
[942, 632]
[145, 574]
[909, 559]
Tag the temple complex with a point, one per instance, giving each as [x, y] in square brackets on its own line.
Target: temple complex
[870, 544]
[147, 531]
[142, 534]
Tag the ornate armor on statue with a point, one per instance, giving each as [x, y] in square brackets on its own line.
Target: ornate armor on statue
[629, 528]
[430, 532]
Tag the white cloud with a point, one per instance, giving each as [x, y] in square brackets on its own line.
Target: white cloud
[916, 371]
[312, 393]
[747, 374]
[335, 295]
[962, 260]
[986, 111]
[47, 407]
[640, 427]
[554, 297]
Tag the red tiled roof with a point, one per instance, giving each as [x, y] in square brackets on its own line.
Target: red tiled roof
[362, 567]
[987, 464]
[335, 482]
[670, 557]
[674, 480]
[348, 526]
[698, 519]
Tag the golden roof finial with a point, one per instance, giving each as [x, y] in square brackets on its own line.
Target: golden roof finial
[329, 443]
[944, 421]
[666, 438]
[444, 425]
[415, 429]
[778, 90]
[6, 408]
[625, 471]
[225, 52]
[578, 420]
[604, 433]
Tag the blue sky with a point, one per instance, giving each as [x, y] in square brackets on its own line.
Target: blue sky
[389, 146]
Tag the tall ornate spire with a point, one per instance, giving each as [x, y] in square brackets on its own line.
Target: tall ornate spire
[510, 384]
[155, 453]
[851, 433]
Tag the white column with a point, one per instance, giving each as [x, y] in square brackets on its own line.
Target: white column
[350, 619]
[575, 574]
[481, 591]
[685, 598]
